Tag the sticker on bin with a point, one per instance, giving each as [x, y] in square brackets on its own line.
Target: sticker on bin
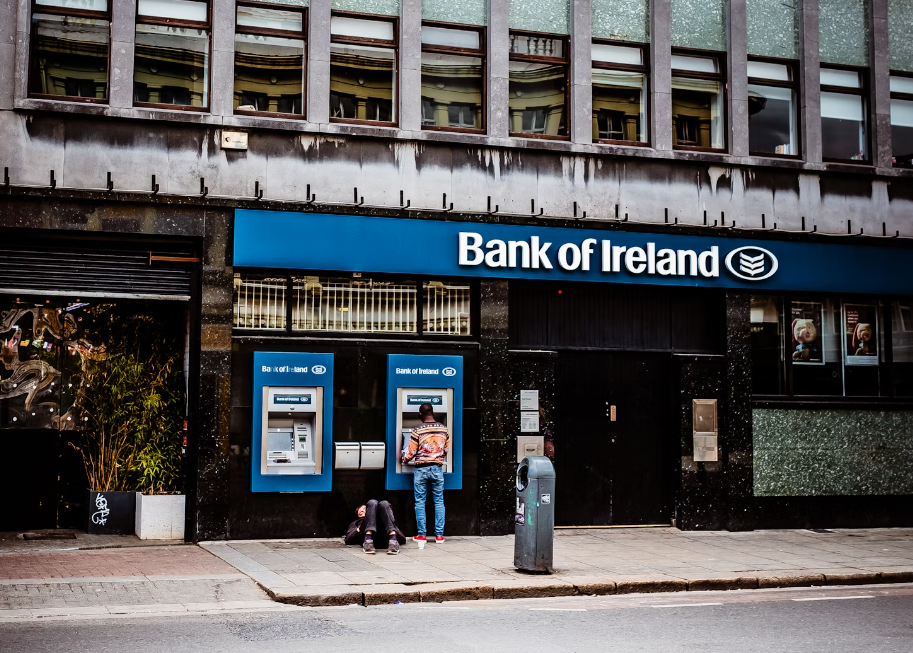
[546, 498]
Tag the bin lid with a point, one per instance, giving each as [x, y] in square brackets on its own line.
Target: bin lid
[538, 467]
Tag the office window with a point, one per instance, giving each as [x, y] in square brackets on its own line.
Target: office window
[537, 85]
[353, 305]
[70, 50]
[362, 70]
[466, 12]
[843, 32]
[772, 109]
[773, 28]
[269, 60]
[619, 93]
[697, 103]
[900, 27]
[902, 120]
[259, 302]
[844, 115]
[453, 78]
[621, 20]
[171, 61]
[699, 24]
[446, 308]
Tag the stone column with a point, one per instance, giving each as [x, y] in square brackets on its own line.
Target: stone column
[581, 72]
[410, 65]
[879, 84]
[221, 103]
[738, 78]
[123, 35]
[809, 81]
[735, 427]
[208, 439]
[23, 32]
[497, 442]
[661, 75]
[497, 57]
[318, 65]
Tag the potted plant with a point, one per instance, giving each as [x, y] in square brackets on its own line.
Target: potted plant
[130, 405]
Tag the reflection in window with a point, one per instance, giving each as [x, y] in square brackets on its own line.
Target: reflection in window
[767, 372]
[537, 85]
[69, 56]
[259, 302]
[353, 305]
[772, 115]
[452, 91]
[902, 120]
[269, 60]
[445, 309]
[362, 83]
[619, 96]
[697, 103]
[172, 66]
[902, 347]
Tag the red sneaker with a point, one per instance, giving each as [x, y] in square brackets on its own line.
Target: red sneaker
[439, 539]
[419, 538]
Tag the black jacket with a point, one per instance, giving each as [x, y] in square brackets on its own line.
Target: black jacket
[355, 535]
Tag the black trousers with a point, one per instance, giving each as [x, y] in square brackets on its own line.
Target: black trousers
[379, 513]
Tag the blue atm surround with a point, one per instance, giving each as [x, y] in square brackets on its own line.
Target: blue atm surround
[425, 372]
[295, 370]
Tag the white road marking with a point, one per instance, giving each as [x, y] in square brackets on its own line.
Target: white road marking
[558, 609]
[684, 605]
[833, 598]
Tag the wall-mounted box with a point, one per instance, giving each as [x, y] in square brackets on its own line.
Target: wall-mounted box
[705, 430]
[348, 455]
[372, 455]
[530, 445]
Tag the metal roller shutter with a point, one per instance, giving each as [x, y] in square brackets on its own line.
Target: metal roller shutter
[96, 272]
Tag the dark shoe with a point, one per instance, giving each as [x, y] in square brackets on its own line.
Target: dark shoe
[393, 546]
[368, 546]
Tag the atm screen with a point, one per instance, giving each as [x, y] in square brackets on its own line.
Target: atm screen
[280, 442]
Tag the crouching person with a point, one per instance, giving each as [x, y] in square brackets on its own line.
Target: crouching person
[375, 517]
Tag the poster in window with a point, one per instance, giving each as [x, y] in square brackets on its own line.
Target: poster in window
[860, 334]
[807, 333]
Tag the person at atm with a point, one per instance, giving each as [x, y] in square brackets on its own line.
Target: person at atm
[428, 447]
[362, 530]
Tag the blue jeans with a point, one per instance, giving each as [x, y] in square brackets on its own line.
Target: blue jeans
[432, 475]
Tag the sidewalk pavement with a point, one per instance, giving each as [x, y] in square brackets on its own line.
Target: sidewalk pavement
[312, 572]
[48, 579]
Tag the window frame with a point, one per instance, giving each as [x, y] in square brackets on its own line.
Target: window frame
[643, 68]
[78, 13]
[392, 44]
[793, 84]
[717, 77]
[174, 22]
[564, 60]
[264, 31]
[896, 95]
[418, 279]
[864, 92]
[479, 53]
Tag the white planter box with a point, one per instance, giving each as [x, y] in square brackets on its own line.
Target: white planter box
[160, 516]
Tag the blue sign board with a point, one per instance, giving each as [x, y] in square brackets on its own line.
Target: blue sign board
[418, 372]
[319, 241]
[291, 370]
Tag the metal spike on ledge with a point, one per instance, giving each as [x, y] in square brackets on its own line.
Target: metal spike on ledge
[110, 183]
[155, 186]
[204, 189]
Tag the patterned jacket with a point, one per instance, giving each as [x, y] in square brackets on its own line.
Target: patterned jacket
[429, 444]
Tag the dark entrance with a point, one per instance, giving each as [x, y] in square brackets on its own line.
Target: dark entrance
[613, 473]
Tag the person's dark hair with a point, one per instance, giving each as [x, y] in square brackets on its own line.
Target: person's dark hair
[425, 410]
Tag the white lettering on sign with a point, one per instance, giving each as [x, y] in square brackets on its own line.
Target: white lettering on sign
[424, 370]
[534, 255]
[289, 369]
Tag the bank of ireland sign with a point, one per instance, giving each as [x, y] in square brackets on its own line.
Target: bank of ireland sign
[748, 263]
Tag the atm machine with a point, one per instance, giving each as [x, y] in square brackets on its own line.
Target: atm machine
[292, 425]
[291, 431]
[409, 400]
[413, 380]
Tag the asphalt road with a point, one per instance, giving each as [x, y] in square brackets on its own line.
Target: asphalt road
[875, 619]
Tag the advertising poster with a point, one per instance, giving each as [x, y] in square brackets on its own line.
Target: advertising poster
[860, 334]
[807, 333]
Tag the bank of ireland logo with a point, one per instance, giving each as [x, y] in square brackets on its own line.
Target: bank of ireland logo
[318, 369]
[752, 263]
[449, 371]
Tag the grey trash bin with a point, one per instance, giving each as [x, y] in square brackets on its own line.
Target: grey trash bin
[535, 516]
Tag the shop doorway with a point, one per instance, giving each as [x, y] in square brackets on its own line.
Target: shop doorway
[613, 473]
